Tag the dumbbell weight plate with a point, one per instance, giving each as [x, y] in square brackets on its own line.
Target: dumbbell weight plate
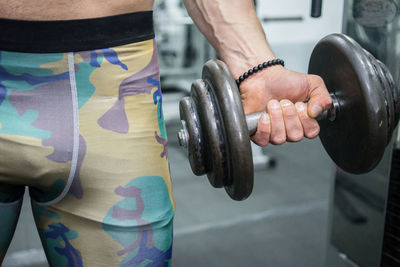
[389, 92]
[355, 135]
[357, 138]
[195, 146]
[391, 96]
[394, 93]
[239, 181]
[212, 134]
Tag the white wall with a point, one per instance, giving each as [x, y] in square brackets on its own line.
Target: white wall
[293, 40]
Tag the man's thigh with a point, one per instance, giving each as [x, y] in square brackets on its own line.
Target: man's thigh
[119, 208]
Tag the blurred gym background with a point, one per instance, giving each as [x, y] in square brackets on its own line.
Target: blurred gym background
[285, 220]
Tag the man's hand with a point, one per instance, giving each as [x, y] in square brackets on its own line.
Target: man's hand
[283, 94]
[232, 27]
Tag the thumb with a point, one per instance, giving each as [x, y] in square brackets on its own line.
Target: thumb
[319, 98]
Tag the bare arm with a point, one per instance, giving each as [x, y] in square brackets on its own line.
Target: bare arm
[232, 27]
[234, 30]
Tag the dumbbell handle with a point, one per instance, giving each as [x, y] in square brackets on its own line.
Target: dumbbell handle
[330, 114]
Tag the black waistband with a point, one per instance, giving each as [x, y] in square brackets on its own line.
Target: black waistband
[75, 35]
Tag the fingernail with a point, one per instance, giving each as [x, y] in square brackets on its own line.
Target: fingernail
[316, 110]
[274, 104]
[300, 106]
[285, 103]
[265, 118]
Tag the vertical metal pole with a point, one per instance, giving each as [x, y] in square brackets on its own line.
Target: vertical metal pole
[316, 7]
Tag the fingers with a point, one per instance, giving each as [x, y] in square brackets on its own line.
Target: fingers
[285, 122]
[262, 135]
[294, 129]
[271, 126]
[320, 99]
[309, 125]
[278, 131]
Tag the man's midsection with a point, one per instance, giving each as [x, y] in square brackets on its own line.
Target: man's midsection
[69, 9]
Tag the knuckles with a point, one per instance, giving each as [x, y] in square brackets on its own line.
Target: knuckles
[261, 140]
[312, 133]
[296, 137]
[262, 143]
[316, 80]
[278, 140]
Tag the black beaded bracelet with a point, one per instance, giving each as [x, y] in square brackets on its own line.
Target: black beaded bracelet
[264, 65]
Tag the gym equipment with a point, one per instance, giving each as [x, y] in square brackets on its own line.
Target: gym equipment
[354, 130]
[316, 8]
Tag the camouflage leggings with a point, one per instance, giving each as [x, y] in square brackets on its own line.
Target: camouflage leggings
[84, 131]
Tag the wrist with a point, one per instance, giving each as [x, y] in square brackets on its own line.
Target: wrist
[240, 64]
[261, 78]
[252, 72]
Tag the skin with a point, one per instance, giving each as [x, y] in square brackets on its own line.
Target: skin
[69, 9]
[234, 30]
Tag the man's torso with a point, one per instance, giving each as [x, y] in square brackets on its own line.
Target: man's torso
[69, 9]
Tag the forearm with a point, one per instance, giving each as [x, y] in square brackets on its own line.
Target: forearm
[233, 29]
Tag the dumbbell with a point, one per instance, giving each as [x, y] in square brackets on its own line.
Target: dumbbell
[354, 131]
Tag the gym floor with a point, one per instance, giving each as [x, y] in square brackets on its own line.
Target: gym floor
[283, 223]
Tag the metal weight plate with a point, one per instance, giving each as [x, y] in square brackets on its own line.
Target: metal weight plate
[214, 141]
[391, 91]
[357, 138]
[195, 143]
[238, 148]
[388, 97]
